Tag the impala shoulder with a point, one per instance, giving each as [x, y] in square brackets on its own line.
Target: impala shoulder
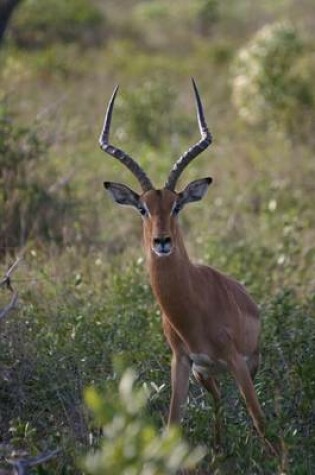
[243, 297]
[213, 277]
[231, 288]
[205, 271]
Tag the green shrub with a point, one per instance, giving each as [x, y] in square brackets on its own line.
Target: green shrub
[130, 444]
[148, 111]
[271, 84]
[153, 10]
[28, 208]
[207, 15]
[36, 24]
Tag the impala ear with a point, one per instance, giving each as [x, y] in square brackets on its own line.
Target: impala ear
[194, 191]
[121, 194]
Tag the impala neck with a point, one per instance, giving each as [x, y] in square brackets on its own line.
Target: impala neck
[169, 274]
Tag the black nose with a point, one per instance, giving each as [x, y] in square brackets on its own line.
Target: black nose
[162, 244]
[162, 240]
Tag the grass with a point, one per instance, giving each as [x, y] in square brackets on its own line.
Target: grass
[86, 301]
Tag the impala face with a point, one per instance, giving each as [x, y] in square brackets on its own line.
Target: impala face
[159, 220]
[159, 210]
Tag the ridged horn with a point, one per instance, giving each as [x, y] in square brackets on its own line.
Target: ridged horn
[195, 150]
[122, 156]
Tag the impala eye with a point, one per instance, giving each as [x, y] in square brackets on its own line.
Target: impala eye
[176, 208]
[142, 211]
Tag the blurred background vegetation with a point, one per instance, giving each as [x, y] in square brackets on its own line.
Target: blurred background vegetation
[84, 295]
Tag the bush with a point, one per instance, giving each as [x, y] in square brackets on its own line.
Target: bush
[130, 444]
[37, 25]
[27, 206]
[148, 111]
[271, 84]
[207, 15]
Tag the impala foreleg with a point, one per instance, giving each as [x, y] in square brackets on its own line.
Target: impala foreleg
[180, 370]
[253, 363]
[212, 386]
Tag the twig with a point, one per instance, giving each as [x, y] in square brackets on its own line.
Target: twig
[6, 281]
[9, 307]
[61, 182]
[20, 467]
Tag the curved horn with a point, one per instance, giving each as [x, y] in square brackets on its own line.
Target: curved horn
[129, 162]
[195, 150]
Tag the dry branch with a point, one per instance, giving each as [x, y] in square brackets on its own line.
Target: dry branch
[21, 467]
[6, 282]
[9, 307]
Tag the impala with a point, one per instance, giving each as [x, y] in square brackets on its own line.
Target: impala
[209, 320]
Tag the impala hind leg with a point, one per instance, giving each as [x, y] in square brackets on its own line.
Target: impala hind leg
[253, 363]
[212, 386]
[180, 371]
[242, 376]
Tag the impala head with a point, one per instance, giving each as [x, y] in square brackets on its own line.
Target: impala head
[159, 208]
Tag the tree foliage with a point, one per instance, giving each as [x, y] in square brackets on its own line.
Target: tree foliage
[28, 207]
[71, 21]
[271, 82]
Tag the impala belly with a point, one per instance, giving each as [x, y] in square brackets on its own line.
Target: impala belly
[203, 365]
